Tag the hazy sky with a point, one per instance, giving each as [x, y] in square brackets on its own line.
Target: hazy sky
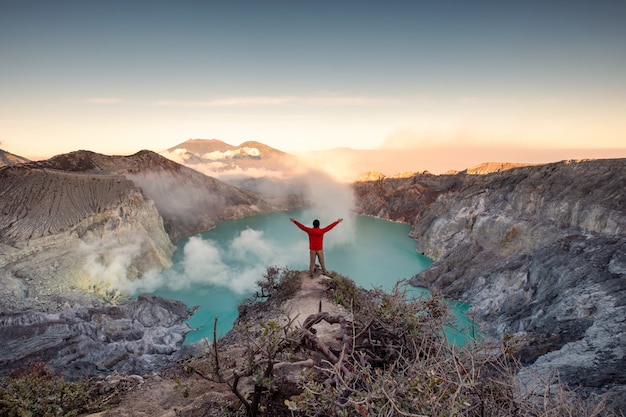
[119, 76]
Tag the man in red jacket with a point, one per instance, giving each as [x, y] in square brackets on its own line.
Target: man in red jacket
[316, 242]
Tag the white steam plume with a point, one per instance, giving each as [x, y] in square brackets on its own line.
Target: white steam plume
[329, 200]
[237, 267]
[178, 198]
[108, 261]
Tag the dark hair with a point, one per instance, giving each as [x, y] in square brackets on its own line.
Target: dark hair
[316, 223]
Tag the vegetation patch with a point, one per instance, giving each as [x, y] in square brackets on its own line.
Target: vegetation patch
[391, 359]
[343, 291]
[36, 391]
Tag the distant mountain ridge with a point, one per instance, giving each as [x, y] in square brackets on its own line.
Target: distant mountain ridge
[252, 166]
[204, 146]
[7, 158]
[213, 156]
[491, 167]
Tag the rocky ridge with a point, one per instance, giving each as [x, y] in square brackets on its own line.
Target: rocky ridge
[188, 200]
[538, 252]
[57, 227]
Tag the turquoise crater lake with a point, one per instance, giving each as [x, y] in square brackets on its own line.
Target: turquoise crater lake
[216, 270]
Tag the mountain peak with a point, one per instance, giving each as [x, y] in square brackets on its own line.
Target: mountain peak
[7, 158]
[213, 156]
[202, 146]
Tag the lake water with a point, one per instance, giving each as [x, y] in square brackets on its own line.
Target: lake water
[216, 270]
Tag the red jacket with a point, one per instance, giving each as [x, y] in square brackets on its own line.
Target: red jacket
[316, 235]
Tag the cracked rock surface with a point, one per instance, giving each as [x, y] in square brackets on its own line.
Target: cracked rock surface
[537, 251]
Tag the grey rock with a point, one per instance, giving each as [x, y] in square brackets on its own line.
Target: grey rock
[537, 251]
[138, 337]
[64, 232]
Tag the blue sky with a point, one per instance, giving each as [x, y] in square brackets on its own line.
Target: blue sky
[116, 77]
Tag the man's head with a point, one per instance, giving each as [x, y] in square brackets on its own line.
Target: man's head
[316, 223]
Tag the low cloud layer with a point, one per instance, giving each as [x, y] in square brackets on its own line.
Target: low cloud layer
[231, 154]
[322, 100]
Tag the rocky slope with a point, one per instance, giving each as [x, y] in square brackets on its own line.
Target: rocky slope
[74, 227]
[537, 251]
[61, 231]
[138, 337]
[188, 200]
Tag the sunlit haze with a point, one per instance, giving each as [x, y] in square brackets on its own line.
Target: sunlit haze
[116, 77]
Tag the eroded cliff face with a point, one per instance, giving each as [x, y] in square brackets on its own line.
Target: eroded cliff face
[64, 231]
[187, 200]
[537, 251]
[73, 227]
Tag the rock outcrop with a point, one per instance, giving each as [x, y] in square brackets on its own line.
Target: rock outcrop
[537, 251]
[63, 231]
[138, 337]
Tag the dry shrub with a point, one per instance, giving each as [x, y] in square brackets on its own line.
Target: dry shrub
[401, 364]
[393, 360]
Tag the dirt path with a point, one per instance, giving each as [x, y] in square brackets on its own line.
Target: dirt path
[311, 299]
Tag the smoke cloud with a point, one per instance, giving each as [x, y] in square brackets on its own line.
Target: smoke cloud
[180, 199]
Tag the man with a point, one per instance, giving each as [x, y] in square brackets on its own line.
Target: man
[316, 242]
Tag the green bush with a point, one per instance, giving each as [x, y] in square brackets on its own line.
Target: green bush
[345, 293]
[278, 283]
[37, 392]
